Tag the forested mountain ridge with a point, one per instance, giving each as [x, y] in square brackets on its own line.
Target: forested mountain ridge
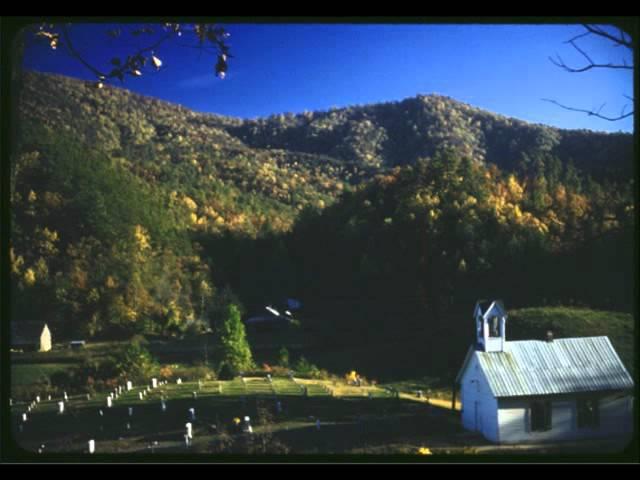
[377, 135]
[133, 215]
[399, 133]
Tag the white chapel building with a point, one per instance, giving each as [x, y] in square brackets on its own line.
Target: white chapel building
[542, 390]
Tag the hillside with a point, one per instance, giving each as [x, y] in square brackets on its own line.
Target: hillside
[399, 133]
[135, 215]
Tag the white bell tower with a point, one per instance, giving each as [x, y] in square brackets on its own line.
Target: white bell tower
[491, 320]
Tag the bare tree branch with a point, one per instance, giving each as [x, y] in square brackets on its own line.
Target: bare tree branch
[601, 33]
[591, 112]
[621, 40]
[560, 63]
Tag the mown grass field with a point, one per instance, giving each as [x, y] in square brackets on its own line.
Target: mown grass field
[351, 419]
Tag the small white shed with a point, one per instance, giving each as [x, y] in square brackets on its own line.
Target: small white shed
[30, 336]
[542, 390]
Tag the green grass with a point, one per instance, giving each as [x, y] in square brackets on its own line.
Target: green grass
[27, 374]
[347, 423]
[533, 323]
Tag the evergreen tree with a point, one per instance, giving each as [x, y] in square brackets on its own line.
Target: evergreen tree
[233, 341]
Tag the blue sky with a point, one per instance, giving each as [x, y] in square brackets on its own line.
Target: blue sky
[278, 68]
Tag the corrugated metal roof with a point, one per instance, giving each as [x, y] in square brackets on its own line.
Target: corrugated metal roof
[565, 365]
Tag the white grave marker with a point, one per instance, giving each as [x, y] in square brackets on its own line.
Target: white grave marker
[11, 402]
[109, 402]
[24, 417]
[179, 381]
[129, 385]
[140, 395]
[194, 395]
[60, 407]
[66, 398]
[92, 446]
[189, 430]
[37, 398]
[101, 413]
[131, 411]
[163, 406]
[192, 413]
[154, 383]
[49, 397]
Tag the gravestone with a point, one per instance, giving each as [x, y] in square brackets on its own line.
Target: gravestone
[192, 414]
[131, 411]
[129, 385]
[37, 398]
[60, 407]
[88, 396]
[163, 405]
[29, 408]
[92, 446]
[128, 426]
[189, 428]
[194, 395]
[179, 381]
[41, 448]
[11, 401]
[24, 417]
[187, 440]
[154, 383]
[109, 402]
[140, 395]
[247, 428]
[66, 398]
[101, 413]
[49, 397]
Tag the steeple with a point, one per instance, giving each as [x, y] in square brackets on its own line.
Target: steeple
[491, 319]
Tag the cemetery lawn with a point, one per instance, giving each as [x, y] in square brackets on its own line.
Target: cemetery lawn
[352, 420]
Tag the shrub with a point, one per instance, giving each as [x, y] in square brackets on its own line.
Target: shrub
[283, 357]
[305, 369]
[196, 372]
[227, 372]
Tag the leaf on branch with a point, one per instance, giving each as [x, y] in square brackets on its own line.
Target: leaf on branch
[156, 62]
[221, 66]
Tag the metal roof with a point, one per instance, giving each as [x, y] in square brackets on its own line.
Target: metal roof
[567, 365]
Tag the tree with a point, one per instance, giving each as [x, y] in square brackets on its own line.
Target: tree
[210, 39]
[233, 341]
[618, 39]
